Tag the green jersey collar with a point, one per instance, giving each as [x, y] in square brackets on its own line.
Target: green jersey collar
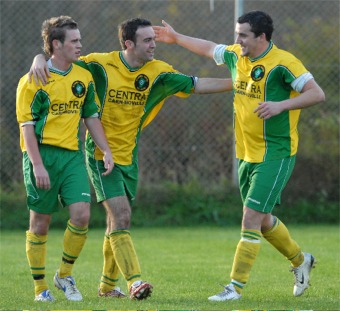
[121, 56]
[270, 46]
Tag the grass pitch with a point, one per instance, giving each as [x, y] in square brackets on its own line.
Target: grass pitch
[185, 266]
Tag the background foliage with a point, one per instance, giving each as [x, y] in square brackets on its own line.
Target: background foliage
[187, 152]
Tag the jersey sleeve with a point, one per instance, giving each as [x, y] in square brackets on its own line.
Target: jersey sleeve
[167, 84]
[219, 54]
[175, 83]
[228, 55]
[27, 103]
[295, 73]
[90, 105]
[300, 82]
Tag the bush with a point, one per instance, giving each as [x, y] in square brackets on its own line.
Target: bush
[190, 204]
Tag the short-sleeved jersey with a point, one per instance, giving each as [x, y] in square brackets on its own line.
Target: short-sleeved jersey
[265, 78]
[130, 98]
[57, 107]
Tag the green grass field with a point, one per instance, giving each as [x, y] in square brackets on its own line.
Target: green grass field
[185, 266]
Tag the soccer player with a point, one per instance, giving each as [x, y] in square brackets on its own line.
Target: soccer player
[131, 86]
[271, 86]
[53, 161]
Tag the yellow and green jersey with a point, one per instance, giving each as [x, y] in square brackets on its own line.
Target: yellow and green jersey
[130, 99]
[56, 108]
[268, 77]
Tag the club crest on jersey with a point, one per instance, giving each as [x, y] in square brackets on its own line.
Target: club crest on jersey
[142, 82]
[257, 73]
[78, 89]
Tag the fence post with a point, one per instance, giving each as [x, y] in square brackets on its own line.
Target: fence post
[238, 11]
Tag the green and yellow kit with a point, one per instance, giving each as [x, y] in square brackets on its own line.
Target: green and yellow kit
[57, 108]
[130, 98]
[271, 76]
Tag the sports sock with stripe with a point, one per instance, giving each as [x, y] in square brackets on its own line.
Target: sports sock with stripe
[125, 255]
[36, 255]
[245, 255]
[110, 274]
[279, 237]
[74, 240]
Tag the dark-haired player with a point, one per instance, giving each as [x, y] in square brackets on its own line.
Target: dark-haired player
[271, 86]
[131, 86]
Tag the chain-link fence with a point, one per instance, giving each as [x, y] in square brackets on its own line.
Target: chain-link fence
[190, 138]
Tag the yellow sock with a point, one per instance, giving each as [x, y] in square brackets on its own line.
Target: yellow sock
[125, 255]
[110, 273]
[245, 255]
[279, 237]
[74, 240]
[36, 255]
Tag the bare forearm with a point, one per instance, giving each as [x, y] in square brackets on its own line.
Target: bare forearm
[213, 85]
[31, 144]
[168, 35]
[311, 95]
[97, 133]
[41, 175]
[196, 45]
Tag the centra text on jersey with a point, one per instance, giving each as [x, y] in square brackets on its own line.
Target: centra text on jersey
[72, 106]
[249, 87]
[126, 95]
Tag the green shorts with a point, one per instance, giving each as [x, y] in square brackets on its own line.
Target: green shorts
[261, 184]
[68, 177]
[121, 182]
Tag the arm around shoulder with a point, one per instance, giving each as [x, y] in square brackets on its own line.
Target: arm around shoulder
[39, 70]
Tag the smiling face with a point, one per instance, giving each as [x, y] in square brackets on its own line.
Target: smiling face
[251, 46]
[144, 47]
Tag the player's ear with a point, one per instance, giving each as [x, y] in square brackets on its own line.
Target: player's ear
[129, 44]
[56, 44]
[263, 36]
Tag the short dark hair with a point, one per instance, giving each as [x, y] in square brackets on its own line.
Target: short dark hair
[260, 22]
[55, 29]
[127, 29]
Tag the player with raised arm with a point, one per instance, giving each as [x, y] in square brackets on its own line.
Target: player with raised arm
[131, 86]
[271, 86]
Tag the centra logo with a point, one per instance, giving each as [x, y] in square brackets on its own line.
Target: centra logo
[142, 82]
[78, 89]
[257, 73]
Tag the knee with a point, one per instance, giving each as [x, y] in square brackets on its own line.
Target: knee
[39, 223]
[123, 220]
[81, 218]
[252, 219]
[268, 222]
[40, 228]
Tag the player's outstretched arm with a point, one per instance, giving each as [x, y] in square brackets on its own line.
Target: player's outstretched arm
[168, 35]
[39, 70]
[213, 85]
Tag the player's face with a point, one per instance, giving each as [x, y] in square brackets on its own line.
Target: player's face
[70, 49]
[145, 44]
[250, 44]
